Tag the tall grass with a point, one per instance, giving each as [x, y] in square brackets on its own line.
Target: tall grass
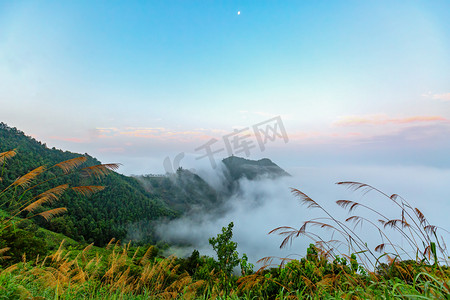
[422, 238]
[110, 272]
[426, 273]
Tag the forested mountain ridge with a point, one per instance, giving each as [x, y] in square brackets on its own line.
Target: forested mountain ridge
[182, 191]
[239, 167]
[126, 202]
[185, 191]
[98, 218]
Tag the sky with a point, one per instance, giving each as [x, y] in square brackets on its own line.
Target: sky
[365, 82]
[353, 82]
[337, 90]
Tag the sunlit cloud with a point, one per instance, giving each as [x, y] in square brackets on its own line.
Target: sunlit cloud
[420, 130]
[213, 131]
[442, 97]
[384, 120]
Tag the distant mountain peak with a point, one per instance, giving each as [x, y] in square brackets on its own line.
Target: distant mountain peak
[240, 167]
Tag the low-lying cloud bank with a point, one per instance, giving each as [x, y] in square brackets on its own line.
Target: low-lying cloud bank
[262, 205]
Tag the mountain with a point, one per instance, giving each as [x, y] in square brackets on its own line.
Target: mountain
[99, 218]
[185, 191]
[239, 167]
[182, 191]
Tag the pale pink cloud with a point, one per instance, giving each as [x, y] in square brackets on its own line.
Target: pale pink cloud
[415, 119]
[442, 97]
[213, 131]
[384, 120]
[106, 132]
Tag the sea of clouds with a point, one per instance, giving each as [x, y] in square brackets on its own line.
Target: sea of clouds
[262, 205]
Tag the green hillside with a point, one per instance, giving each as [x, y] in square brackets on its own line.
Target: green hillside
[98, 218]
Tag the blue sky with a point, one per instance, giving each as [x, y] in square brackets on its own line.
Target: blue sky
[361, 82]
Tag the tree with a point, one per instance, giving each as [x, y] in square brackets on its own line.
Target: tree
[225, 249]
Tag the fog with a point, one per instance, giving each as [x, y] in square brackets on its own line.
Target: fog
[262, 205]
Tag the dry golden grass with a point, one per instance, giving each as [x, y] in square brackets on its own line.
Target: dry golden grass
[26, 179]
[99, 170]
[47, 215]
[88, 190]
[159, 278]
[71, 164]
[47, 197]
[7, 155]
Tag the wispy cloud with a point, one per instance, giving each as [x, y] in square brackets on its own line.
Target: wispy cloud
[442, 97]
[384, 120]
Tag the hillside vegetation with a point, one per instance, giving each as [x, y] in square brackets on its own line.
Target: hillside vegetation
[98, 219]
[36, 263]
